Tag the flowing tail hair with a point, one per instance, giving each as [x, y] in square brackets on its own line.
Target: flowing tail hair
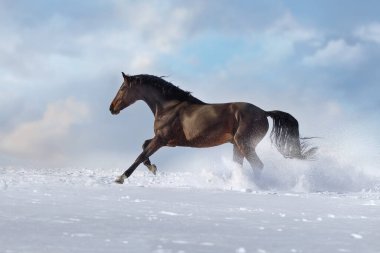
[285, 136]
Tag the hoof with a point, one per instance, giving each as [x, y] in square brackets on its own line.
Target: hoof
[120, 180]
[152, 168]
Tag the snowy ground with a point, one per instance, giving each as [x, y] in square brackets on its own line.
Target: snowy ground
[82, 210]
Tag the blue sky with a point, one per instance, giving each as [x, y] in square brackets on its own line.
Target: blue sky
[60, 64]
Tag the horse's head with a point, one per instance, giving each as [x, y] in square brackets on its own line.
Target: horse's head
[125, 96]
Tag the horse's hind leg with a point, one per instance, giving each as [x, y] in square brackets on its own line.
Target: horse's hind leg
[255, 162]
[250, 154]
[238, 156]
[247, 137]
[151, 167]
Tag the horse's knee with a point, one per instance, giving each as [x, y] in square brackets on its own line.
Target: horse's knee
[146, 143]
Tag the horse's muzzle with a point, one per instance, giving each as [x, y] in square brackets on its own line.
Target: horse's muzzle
[113, 111]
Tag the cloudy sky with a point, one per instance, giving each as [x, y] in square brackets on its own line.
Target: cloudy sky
[61, 63]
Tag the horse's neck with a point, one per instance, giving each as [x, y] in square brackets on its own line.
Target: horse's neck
[156, 101]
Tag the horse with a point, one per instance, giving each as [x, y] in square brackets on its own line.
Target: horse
[181, 119]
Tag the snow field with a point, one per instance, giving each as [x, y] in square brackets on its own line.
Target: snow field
[82, 210]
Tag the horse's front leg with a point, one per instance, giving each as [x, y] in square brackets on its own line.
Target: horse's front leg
[149, 150]
[151, 167]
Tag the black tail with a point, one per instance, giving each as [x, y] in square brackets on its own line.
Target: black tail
[285, 136]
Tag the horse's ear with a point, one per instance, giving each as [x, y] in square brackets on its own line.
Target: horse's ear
[124, 75]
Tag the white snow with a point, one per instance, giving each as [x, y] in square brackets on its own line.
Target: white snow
[82, 210]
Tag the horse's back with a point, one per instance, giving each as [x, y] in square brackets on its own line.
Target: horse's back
[223, 111]
[248, 110]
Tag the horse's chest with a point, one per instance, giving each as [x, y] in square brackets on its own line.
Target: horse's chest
[167, 125]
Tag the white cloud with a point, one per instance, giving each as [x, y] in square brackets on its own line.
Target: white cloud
[278, 42]
[137, 35]
[44, 138]
[370, 32]
[271, 47]
[161, 26]
[336, 52]
[288, 27]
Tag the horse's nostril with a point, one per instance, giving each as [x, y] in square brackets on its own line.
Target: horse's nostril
[111, 109]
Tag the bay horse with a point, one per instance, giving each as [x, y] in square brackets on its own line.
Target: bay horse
[180, 119]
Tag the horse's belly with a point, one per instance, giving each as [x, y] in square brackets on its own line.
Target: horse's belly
[211, 141]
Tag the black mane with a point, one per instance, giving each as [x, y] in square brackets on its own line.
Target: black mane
[169, 90]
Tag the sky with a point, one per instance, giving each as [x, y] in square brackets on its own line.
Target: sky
[61, 63]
